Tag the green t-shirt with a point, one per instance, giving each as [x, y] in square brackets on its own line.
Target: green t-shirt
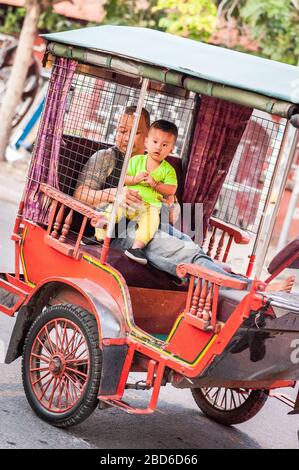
[164, 173]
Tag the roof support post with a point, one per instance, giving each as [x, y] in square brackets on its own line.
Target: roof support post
[128, 155]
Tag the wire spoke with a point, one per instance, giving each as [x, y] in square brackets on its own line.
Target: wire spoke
[47, 385]
[63, 338]
[76, 349]
[61, 387]
[41, 378]
[217, 394]
[49, 340]
[71, 341]
[56, 384]
[44, 346]
[74, 383]
[42, 369]
[77, 372]
[80, 362]
[41, 357]
[233, 399]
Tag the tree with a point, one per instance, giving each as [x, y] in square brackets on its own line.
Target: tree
[275, 23]
[16, 81]
[272, 24]
[132, 13]
[265, 27]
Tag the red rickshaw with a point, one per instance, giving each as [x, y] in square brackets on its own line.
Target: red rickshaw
[87, 316]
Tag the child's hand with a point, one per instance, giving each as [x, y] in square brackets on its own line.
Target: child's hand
[140, 177]
[150, 181]
[169, 200]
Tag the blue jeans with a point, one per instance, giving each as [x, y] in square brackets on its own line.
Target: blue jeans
[174, 232]
[166, 251]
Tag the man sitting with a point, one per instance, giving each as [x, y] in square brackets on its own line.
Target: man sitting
[164, 251]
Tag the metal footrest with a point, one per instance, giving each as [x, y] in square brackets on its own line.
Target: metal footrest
[126, 406]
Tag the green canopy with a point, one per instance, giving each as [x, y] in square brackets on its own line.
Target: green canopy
[197, 59]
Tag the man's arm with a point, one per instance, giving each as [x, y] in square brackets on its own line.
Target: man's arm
[91, 180]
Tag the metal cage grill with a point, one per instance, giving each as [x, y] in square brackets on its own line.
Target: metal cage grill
[244, 194]
[94, 108]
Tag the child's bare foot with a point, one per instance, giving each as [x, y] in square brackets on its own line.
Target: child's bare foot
[281, 286]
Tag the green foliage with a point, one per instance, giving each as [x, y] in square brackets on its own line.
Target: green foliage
[195, 19]
[53, 22]
[11, 20]
[275, 23]
[132, 13]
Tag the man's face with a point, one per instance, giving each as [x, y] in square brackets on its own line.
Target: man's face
[123, 134]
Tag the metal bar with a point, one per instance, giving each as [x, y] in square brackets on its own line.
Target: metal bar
[283, 238]
[280, 175]
[128, 155]
[197, 85]
[250, 265]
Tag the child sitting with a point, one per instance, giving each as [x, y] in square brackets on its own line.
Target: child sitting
[153, 178]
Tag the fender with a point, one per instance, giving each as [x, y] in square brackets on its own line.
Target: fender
[91, 296]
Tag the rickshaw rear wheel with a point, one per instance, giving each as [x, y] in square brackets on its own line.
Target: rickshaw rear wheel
[61, 365]
[229, 406]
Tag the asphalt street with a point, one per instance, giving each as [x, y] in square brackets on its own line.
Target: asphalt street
[178, 423]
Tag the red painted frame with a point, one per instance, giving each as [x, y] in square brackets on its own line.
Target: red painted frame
[43, 263]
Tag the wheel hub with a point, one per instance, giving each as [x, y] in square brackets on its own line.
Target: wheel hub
[57, 365]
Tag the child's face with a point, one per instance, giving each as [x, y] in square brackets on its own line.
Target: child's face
[159, 144]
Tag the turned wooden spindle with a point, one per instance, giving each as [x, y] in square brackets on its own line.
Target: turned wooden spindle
[220, 246]
[229, 244]
[58, 222]
[195, 298]
[202, 299]
[212, 242]
[207, 310]
[66, 226]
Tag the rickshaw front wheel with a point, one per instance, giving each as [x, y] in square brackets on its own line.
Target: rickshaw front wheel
[229, 406]
[61, 366]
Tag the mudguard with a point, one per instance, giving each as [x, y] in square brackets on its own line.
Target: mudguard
[109, 316]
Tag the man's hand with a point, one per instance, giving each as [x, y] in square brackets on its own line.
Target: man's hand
[130, 199]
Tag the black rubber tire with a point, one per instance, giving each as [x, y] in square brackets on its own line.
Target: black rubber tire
[88, 402]
[240, 414]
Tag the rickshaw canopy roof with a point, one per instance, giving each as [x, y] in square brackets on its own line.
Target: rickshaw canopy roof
[197, 59]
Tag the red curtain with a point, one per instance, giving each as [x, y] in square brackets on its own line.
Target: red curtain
[218, 131]
[44, 165]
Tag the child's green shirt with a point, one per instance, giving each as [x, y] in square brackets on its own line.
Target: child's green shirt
[164, 173]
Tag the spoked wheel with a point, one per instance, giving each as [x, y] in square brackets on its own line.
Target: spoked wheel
[229, 405]
[62, 365]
